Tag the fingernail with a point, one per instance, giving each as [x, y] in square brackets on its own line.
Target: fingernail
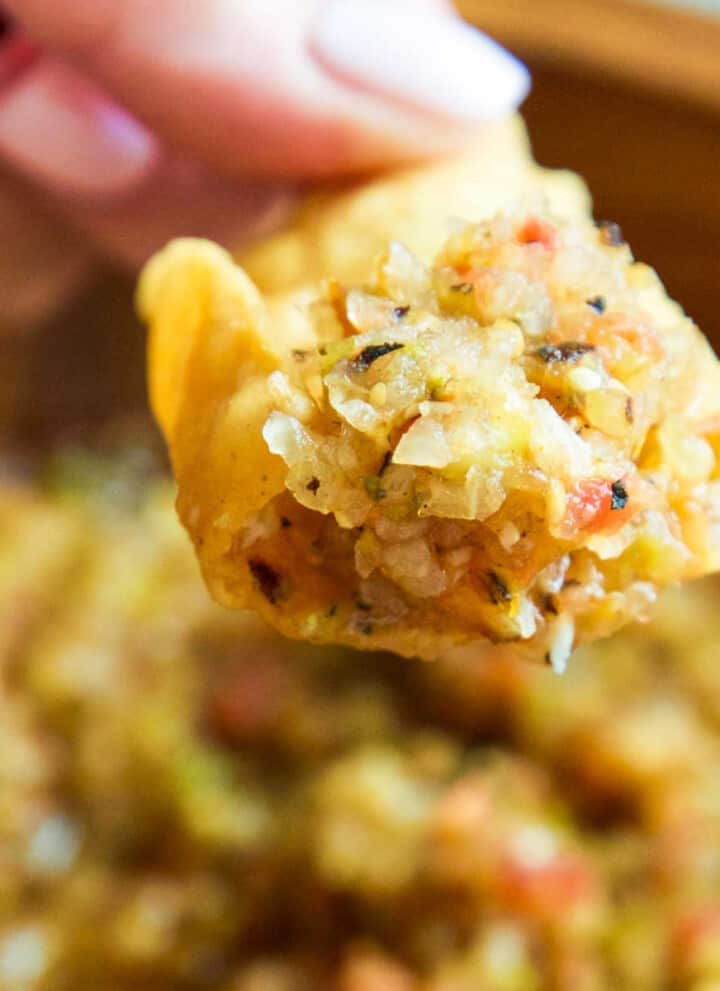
[61, 131]
[430, 60]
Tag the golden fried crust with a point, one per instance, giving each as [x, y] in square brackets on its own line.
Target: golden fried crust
[208, 365]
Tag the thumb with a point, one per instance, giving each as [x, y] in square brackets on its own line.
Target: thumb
[289, 87]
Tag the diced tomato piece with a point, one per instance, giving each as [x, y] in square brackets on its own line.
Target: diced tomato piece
[536, 231]
[637, 333]
[248, 703]
[695, 943]
[694, 930]
[370, 970]
[624, 343]
[465, 808]
[462, 268]
[590, 506]
[545, 891]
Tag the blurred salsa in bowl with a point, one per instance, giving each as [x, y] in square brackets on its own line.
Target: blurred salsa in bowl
[189, 802]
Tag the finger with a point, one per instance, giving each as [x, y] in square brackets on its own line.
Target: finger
[60, 130]
[290, 87]
[54, 115]
[181, 199]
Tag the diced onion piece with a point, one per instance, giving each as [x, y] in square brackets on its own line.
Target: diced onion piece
[687, 456]
[607, 410]
[288, 398]
[561, 644]
[424, 445]
[557, 449]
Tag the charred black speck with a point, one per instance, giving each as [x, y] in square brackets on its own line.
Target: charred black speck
[550, 605]
[268, 579]
[464, 287]
[499, 592]
[371, 354]
[367, 629]
[611, 233]
[629, 410]
[332, 611]
[285, 523]
[313, 485]
[597, 303]
[547, 659]
[619, 496]
[401, 311]
[299, 355]
[567, 351]
[363, 605]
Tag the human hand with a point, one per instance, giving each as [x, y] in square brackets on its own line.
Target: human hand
[124, 123]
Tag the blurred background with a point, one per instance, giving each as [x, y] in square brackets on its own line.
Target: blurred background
[189, 804]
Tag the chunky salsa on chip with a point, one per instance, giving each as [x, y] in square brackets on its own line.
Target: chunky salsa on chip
[515, 442]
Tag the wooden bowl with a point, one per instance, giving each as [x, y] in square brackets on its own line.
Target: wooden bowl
[626, 93]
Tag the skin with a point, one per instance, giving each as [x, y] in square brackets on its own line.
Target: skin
[226, 105]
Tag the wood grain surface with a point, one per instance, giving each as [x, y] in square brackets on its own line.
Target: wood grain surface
[667, 50]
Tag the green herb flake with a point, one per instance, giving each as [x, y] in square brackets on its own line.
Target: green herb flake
[335, 351]
[371, 353]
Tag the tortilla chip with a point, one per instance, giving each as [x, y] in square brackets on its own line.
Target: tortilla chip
[515, 444]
